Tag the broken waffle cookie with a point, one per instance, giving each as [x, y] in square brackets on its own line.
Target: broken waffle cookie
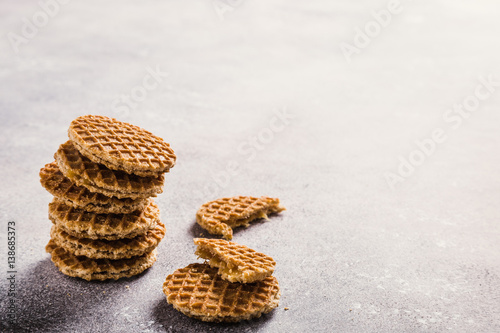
[121, 146]
[98, 269]
[220, 216]
[76, 196]
[98, 178]
[82, 224]
[114, 249]
[236, 263]
[199, 292]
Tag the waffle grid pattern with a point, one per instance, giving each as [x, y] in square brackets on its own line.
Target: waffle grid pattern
[250, 264]
[98, 269]
[120, 143]
[220, 215]
[64, 189]
[114, 249]
[80, 223]
[120, 183]
[198, 291]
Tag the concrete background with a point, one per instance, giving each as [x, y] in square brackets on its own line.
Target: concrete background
[355, 252]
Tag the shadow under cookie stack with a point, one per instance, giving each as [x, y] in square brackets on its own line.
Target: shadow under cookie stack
[105, 223]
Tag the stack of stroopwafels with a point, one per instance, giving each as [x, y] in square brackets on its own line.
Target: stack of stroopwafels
[235, 283]
[105, 223]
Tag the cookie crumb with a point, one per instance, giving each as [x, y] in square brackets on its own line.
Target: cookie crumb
[286, 309]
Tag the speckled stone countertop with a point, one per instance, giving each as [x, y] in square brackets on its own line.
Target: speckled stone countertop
[383, 146]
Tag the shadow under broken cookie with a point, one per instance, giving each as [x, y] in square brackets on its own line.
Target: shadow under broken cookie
[197, 231]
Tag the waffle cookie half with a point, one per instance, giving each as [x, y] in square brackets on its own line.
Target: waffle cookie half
[199, 292]
[98, 269]
[98, 178]
[121, 146]
[114, 249]
[76, 196]
[236, 263]
[218, 217]
[83, 224]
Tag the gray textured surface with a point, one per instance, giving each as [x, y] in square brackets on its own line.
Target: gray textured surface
[353, 254]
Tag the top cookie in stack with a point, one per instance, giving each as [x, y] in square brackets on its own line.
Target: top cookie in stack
[121, 146]
[103, 177]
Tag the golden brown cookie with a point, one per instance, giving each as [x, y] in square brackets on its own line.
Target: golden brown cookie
[83, 224]
[114, 249]
[218, 217]
[98, 269]
[236, 263]
[98, 178]
[76, 196]
[121, 146]
[199, 292]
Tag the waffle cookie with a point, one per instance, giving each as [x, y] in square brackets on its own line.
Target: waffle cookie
[236, 263]
[98, 178]
[76, 196]
[199, 292]
[114, 249]
[98, 269]
[121, 146]
[220, 216]
[82, 224]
